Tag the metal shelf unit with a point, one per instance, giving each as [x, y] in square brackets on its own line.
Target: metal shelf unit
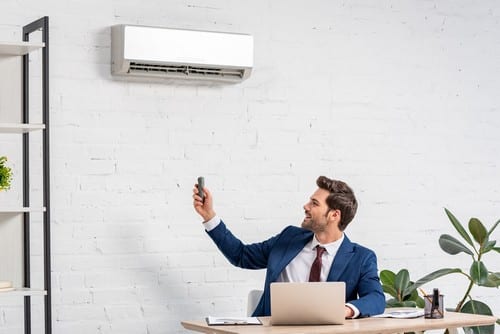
[24, 128]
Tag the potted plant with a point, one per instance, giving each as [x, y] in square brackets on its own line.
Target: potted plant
[403, 291]
[5, 174]
[478, 245]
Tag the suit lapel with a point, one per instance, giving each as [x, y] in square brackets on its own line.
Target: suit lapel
[341, 260]
[295, 245]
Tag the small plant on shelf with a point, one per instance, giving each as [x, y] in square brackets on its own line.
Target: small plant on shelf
[5, 174]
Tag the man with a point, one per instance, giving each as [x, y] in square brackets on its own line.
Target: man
[292, 255]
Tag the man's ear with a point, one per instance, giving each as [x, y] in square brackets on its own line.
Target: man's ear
[334, 214]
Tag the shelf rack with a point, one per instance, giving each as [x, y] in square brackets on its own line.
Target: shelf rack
[23, 49]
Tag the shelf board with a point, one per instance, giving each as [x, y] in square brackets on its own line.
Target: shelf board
[23, 292]
[20, 127]
[21, 209]
[19, 48]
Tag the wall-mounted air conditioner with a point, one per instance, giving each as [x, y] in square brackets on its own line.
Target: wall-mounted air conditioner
[175, 53]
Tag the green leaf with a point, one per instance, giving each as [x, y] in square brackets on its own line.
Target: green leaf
[493, 280]
[480, 330]
[479, 273]
[5, 174]
[460, 229]
[420, 302]
[477, 307]
[493, 228]
[478, 230]
[496, 249]
[393, 303]
[413, 296]
[401, 282]
[389, 289]
[488, 246]
[497, 275]
[409, 303]
[452, 246]
[387, 277]
[432, 276]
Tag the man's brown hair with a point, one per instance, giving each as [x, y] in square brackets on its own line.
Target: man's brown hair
[341, 198]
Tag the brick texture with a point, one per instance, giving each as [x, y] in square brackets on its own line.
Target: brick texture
[398, 98]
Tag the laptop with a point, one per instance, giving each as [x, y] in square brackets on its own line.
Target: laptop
[311, 303]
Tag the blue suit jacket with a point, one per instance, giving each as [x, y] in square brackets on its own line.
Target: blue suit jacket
[353, 264]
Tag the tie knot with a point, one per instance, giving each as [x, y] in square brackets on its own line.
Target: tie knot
[320, 250]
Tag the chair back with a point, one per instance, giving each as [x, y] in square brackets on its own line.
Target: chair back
[253, 300]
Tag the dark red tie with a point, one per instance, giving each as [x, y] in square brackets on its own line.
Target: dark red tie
[316, 266]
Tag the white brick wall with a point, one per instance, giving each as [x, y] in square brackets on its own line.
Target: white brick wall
[398, 98]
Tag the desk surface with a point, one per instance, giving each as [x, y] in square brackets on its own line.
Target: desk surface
[365, 326]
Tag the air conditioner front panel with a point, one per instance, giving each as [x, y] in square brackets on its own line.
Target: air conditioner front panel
[175, 46]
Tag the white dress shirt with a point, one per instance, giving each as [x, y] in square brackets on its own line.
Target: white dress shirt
[298, 269]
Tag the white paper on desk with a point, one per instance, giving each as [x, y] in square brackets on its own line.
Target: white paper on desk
[233, 320]
[402, 314]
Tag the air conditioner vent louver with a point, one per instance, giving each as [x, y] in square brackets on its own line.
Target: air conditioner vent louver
[165, 70]
[163, 53]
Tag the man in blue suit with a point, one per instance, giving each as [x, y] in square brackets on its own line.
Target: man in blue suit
[317, 251]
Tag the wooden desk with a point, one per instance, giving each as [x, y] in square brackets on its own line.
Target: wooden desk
[359, 326]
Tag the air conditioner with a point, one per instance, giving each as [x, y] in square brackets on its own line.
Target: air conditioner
[175, 53]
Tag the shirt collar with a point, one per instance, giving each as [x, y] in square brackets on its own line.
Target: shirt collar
[331, 247]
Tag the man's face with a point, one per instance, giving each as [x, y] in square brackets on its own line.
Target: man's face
[317, 216]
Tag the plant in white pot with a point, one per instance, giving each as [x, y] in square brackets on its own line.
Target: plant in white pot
[5, 174]
[5, 178]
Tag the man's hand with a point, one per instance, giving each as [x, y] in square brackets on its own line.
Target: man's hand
[349, 313]
[203, 208]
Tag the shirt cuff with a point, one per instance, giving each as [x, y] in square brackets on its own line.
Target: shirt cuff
[354, 309]
[212, 223]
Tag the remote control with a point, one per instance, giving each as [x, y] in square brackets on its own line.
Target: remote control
[201, 184]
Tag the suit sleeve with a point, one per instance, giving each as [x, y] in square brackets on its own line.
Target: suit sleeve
[371, 298]
[248, 256]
